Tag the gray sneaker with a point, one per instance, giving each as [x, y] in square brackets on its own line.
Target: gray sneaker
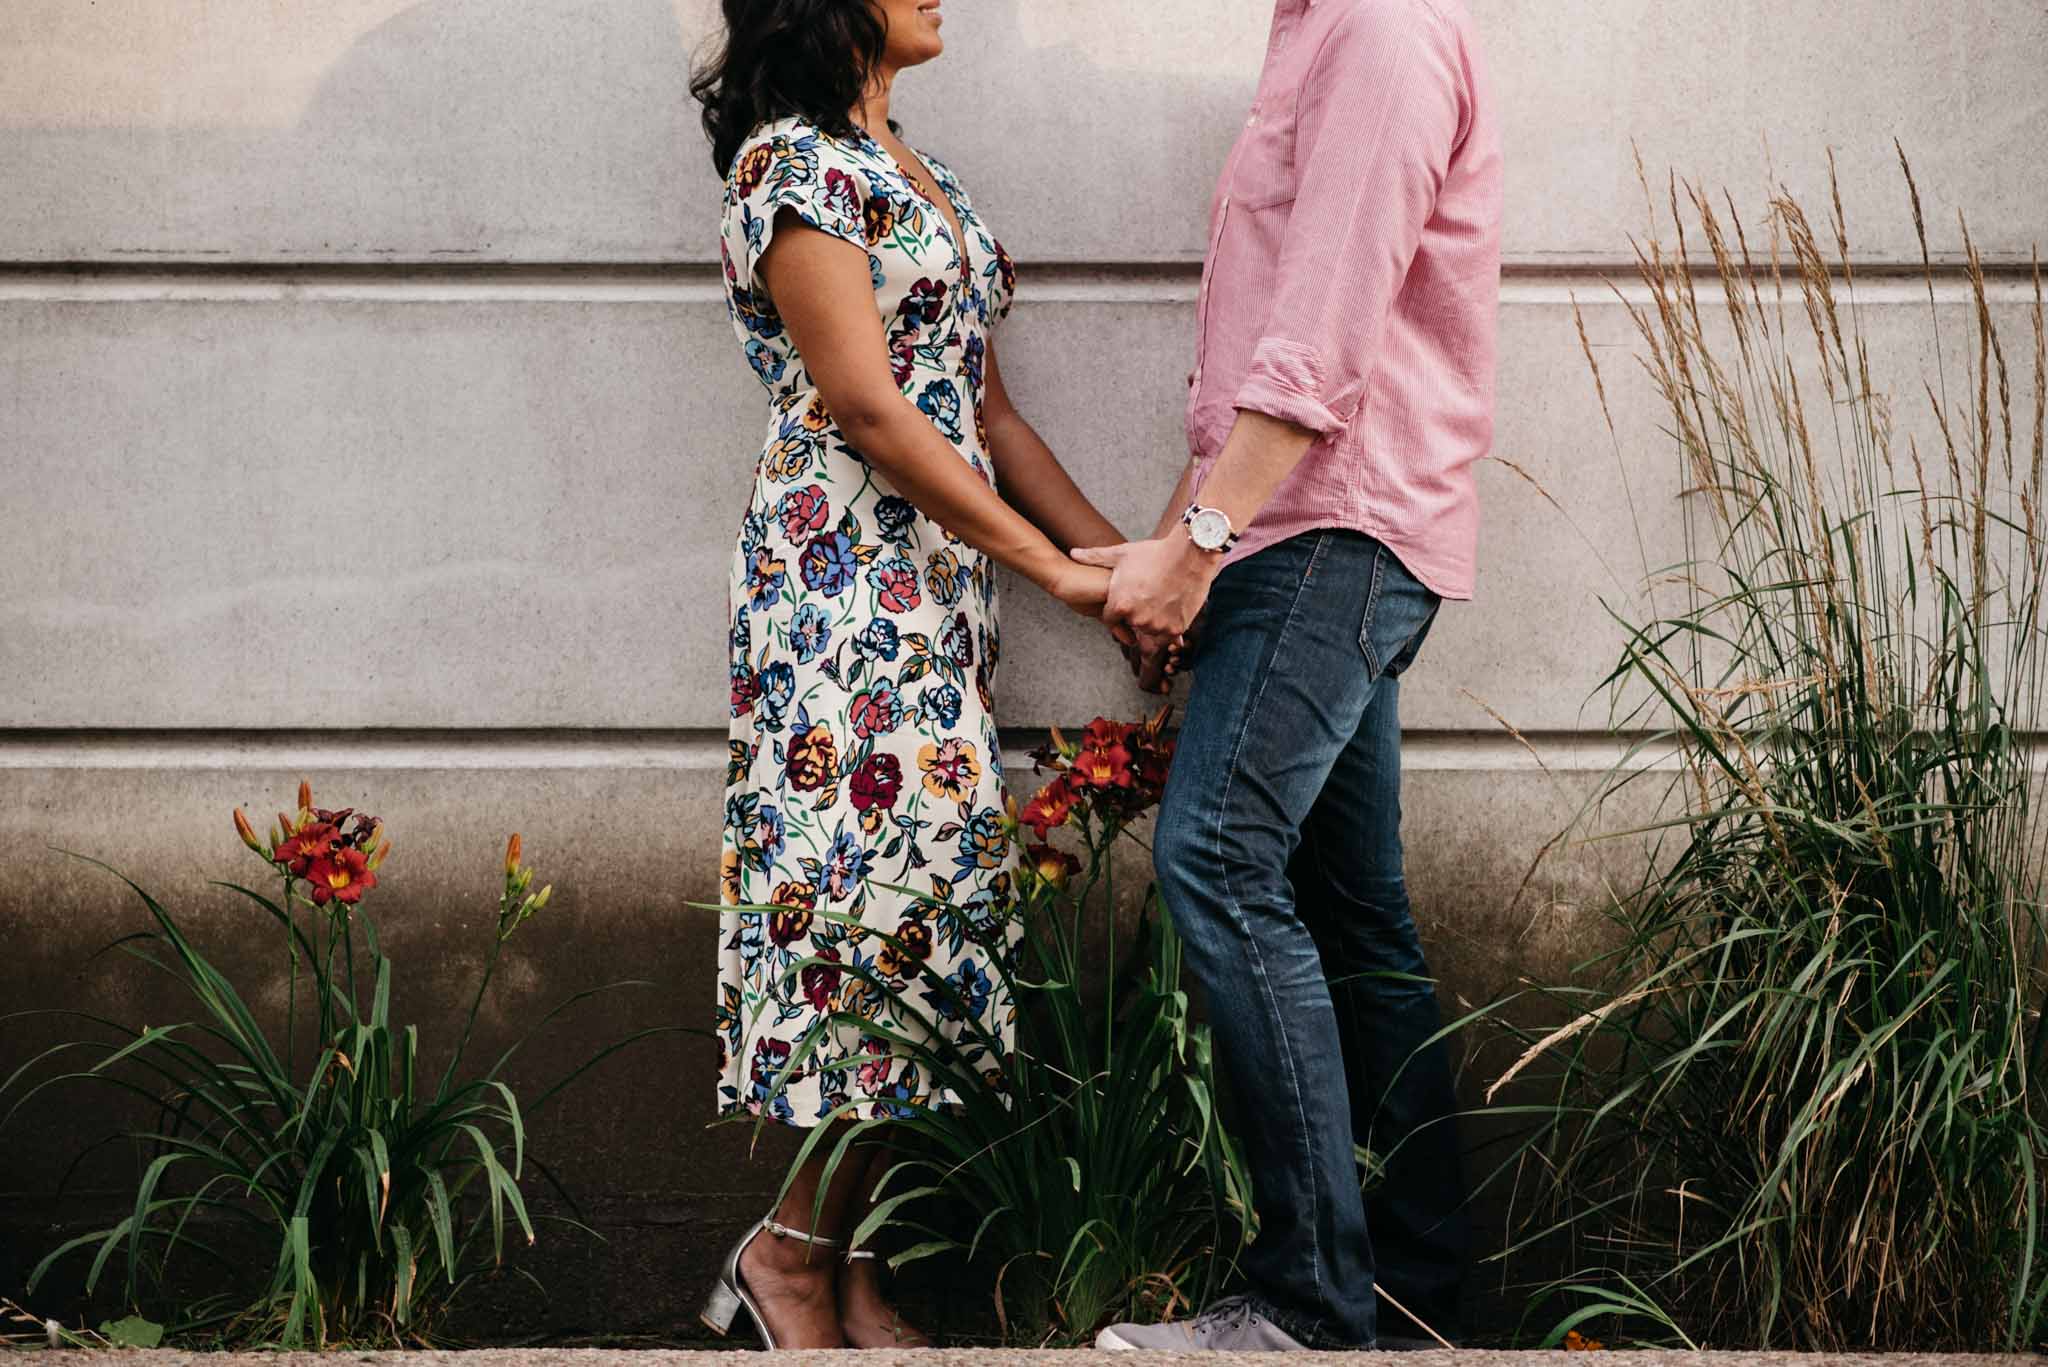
[1230, 1325]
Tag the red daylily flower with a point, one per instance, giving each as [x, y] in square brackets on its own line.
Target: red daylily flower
[314, 843]
[343, 876]
[1102, 768]
[1052, 805]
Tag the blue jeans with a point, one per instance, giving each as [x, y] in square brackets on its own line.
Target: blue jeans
[1279, 851]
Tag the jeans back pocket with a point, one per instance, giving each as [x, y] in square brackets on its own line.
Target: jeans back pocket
[1399, 610]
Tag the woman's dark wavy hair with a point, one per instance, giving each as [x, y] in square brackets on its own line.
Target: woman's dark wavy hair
[811, 58]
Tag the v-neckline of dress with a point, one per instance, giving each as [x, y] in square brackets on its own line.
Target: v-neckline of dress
[958, 237]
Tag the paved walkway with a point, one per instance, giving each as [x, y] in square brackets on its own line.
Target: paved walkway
[997, 1357]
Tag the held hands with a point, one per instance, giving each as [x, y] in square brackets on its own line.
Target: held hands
[1085, 588]
[1155, 669]
[1156, 591]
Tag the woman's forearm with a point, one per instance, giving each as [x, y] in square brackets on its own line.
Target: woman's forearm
[1036, 484]
[904, 448]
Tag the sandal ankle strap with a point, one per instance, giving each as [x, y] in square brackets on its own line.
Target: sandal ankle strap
[856, 1253]
[776, 1227]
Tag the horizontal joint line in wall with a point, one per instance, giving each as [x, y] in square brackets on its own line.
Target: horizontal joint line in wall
[690, 748]
[1538, 281]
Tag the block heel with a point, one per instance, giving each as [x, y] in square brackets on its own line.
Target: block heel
[721, 1308]
[729, 1294]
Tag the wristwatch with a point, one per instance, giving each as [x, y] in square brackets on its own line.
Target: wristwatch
[1209, 528]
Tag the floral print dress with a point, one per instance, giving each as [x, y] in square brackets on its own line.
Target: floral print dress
[863, 655]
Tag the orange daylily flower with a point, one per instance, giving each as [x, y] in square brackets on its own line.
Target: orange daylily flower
[1053, 865]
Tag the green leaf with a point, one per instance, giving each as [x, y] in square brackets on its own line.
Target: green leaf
[917, 1252]
[401, 1242]
[133, 1331]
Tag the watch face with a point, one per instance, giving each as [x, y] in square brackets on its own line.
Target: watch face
[1209, 529]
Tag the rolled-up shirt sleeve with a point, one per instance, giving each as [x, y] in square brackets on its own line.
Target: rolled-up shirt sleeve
[1380, 114]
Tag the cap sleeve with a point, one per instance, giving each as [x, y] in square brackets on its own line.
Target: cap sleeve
[794, 167]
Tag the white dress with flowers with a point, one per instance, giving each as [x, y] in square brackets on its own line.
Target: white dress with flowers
[863, 654]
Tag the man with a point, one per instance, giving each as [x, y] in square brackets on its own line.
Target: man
[1342, 390]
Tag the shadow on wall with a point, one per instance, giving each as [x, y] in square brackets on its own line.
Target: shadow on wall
[453, 127]
[1090, 148]
[488, 129]
[563, 131]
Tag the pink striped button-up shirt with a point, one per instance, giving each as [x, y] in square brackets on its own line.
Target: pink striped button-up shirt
[1353, 278]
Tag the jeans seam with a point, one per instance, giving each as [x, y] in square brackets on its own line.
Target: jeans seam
[1244, 928]
[1372, 602]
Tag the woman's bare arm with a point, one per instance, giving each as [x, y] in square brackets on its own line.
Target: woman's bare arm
[1031, 477]
[823, 292]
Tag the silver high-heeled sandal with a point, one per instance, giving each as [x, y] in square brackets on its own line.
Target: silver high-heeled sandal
[723, 1305]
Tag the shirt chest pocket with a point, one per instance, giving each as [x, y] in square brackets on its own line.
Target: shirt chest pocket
[1263, 172]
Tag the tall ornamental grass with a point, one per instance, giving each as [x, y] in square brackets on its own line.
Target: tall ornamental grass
[1802, 1106]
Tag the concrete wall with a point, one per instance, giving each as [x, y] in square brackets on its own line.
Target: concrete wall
[369, 414]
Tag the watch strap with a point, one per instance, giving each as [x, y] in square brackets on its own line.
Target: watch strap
[1230, 535]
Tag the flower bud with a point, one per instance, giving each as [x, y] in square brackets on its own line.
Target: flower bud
[291, 827]
[1060, 743]
[377, 856]
[525, 877]
[305, 795]
[246, 831]
[512, 855]
[542, 899]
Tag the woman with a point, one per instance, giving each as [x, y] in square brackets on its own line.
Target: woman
[864, 290]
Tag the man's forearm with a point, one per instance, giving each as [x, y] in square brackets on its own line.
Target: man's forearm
[1157, 587]
[1259, 455]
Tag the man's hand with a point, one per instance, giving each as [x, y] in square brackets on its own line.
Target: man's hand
[1153, 669]
[1156, 587]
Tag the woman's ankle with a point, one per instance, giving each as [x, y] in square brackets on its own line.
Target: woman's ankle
[795, 1259]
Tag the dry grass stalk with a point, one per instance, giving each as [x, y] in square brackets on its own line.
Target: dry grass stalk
[1845, 954]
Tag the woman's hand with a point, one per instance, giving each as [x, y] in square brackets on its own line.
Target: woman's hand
[1084, 588]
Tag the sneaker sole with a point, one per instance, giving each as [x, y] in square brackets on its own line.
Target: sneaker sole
[1109, 1342]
